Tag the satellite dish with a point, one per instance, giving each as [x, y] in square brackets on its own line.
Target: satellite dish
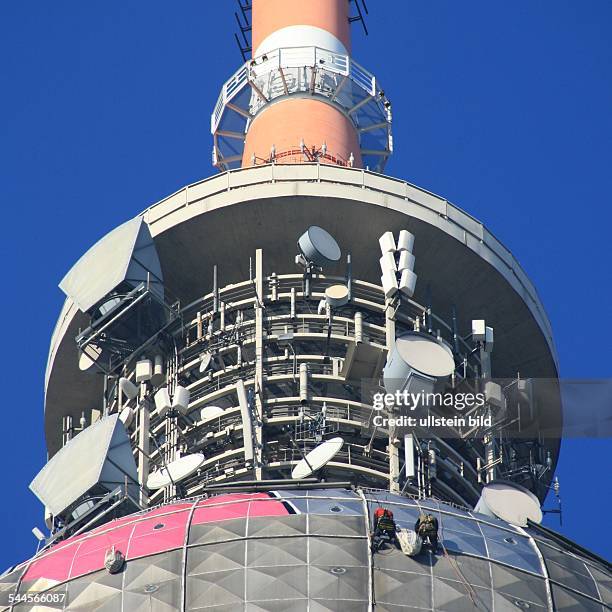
[318, 246]
[510, 502]
[317, 458]
[175, 471]
[337, 295]
[211, 412]
[416, 363]
[205, 360]
[128, 388]
[127, 416]
[91, 353]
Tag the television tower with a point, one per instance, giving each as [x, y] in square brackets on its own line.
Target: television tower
[215, 419]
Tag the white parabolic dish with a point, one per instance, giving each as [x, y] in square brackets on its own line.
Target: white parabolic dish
[317, 458]
[176, 471]
[511, 503]
[89, 356]
[210, 412]
[426, 355]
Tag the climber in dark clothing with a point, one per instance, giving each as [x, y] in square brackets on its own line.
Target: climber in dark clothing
[385, 529]
[427, 527]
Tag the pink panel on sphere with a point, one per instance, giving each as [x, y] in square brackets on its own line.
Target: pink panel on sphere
[54, 565]
[148, 540]
[137, 535]
[226, 507]
[90, 556]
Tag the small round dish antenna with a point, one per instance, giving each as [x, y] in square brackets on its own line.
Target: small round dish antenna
[317, 458]
[211, 412]
[510, 502]
[318, 246]
[91, 353]
[416, 363]
[175, 471]
[337, 295]
[205, 361]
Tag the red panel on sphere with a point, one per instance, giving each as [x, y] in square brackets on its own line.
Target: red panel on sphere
[55, 565]
[157, 534]
[90, 556]
[236, 506]
[140, 535]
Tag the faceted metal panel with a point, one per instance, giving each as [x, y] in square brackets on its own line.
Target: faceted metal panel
[215, 557]
[154, 583]
[224, 588]
[568, 601]
[568, 570]
[474, 570]
[604, 584]
[337, 551]
[512, 549]
[217, 532]
[277, 552]
[518, 586]
[316, 561]
[291, 525]
[341, 526]
[338, 582]
[276, 582]
[338, 605]
[454, 596]
[464, 543]
[403, 589]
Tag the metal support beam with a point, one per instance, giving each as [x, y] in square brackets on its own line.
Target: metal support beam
[259, 357]
[393, 446]
[143, 444]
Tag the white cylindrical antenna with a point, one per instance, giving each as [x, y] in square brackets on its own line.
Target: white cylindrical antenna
[180, 401]
[303, 383]
[48, 518]
[144, 370]
[387, 243]
[162, 401]
[358, 327]
[407, 283]
[389, 284]
[409, 455]
[405, 241]
[128, 388]
[433, 464]
[127, 416]
[293, 294]
[158, 370]
[387, 262]
[38, 534]
[406, 261]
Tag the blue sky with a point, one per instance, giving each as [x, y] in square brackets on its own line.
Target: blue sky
[504, 108]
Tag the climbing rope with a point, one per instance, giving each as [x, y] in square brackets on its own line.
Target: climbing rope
[468, 587]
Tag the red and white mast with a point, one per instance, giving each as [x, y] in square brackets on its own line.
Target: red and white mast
[301, 97]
